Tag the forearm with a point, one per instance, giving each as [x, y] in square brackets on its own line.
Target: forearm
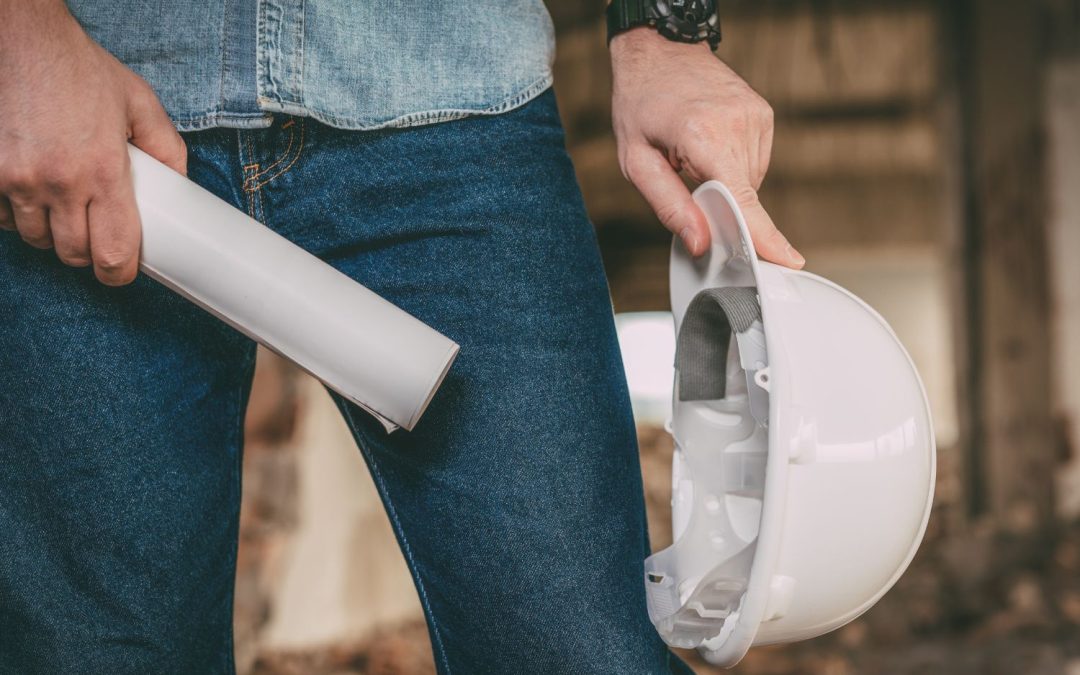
[26, 23]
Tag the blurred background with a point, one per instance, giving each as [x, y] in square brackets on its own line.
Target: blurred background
[927, 157]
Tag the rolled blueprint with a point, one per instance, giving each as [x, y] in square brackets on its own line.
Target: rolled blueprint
[363, 347]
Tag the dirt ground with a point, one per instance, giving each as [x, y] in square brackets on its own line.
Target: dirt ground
[979, 603]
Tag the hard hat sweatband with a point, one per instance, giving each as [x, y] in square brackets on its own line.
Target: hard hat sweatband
[702, 348]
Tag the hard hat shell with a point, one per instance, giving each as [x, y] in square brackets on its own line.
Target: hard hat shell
[801, 496]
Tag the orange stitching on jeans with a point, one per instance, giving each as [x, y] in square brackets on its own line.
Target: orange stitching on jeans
[247, 167]
[292, 135]
[299, 150]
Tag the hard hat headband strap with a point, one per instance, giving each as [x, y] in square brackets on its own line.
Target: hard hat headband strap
[705, 335]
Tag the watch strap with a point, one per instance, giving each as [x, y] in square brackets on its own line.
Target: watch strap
[622, 15]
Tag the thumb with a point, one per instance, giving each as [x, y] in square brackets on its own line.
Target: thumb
[152, 131]
[668, 197]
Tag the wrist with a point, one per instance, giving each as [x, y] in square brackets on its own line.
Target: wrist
[25, 23]
[18, 15]
[644, 42]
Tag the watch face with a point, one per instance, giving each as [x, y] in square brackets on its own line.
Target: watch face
[690, 11]
[686, 20]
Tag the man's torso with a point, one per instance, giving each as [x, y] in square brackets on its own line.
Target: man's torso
[353, 65]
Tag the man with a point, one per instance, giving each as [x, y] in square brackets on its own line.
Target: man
[416, 147]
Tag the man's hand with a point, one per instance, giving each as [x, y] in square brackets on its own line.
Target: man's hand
[677, 107]
[67, 110]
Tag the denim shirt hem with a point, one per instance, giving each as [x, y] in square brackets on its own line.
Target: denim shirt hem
[413, 119]
[217, 118]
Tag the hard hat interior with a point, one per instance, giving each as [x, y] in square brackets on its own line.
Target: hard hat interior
[720, 425]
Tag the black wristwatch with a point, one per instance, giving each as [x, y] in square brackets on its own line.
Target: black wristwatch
[679, 20]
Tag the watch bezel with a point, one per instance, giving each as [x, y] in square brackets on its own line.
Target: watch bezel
[662, 16]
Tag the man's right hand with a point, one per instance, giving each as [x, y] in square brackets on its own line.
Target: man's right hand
[67, 110]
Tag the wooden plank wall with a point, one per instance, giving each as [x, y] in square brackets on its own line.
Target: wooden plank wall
[857, 159]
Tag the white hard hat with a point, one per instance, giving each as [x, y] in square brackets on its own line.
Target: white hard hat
[804, 455]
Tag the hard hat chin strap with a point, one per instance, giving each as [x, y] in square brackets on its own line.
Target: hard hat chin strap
[705, 336]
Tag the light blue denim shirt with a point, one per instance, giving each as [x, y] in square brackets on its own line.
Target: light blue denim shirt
[359, 64]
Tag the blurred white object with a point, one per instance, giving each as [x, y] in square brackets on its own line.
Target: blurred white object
[361, 346]
[802, 489]
[647, 342]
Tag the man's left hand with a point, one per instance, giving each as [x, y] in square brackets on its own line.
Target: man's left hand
[677, 107]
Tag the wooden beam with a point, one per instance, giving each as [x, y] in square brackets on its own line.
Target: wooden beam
[1007, 380]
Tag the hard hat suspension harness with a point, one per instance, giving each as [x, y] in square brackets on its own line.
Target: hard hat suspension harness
[718, 484]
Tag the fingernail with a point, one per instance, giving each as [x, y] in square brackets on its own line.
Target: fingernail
[689, 239]
[794, 255]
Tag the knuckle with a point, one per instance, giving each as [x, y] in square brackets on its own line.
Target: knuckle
[765, 112]
[110, 168]
[111, 275]
[669, 214]
[49, 172]
[746, 196]
[141, 95]
[59, 177]
[73, 258]
[112, 261]
[634, 164]
[37, 240]
[19, 178]
[697, 127]
[738, 122]
[632, 168]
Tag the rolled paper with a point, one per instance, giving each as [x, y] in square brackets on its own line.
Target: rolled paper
[360, 345]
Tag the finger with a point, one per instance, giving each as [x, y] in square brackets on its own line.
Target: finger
[765, 142]
[153, 132]
[733, 171]
[667, 195]
[115, 234]
[7, 218]
[770, 243]
[32, 222]
[71, 237]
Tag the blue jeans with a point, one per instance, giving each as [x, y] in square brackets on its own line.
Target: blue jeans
[517, 500]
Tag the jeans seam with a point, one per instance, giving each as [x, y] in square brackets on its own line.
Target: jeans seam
[361, 435]
[221, 49]
[291, 126]
[245, 142]
[238, 470]
[286, 168]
